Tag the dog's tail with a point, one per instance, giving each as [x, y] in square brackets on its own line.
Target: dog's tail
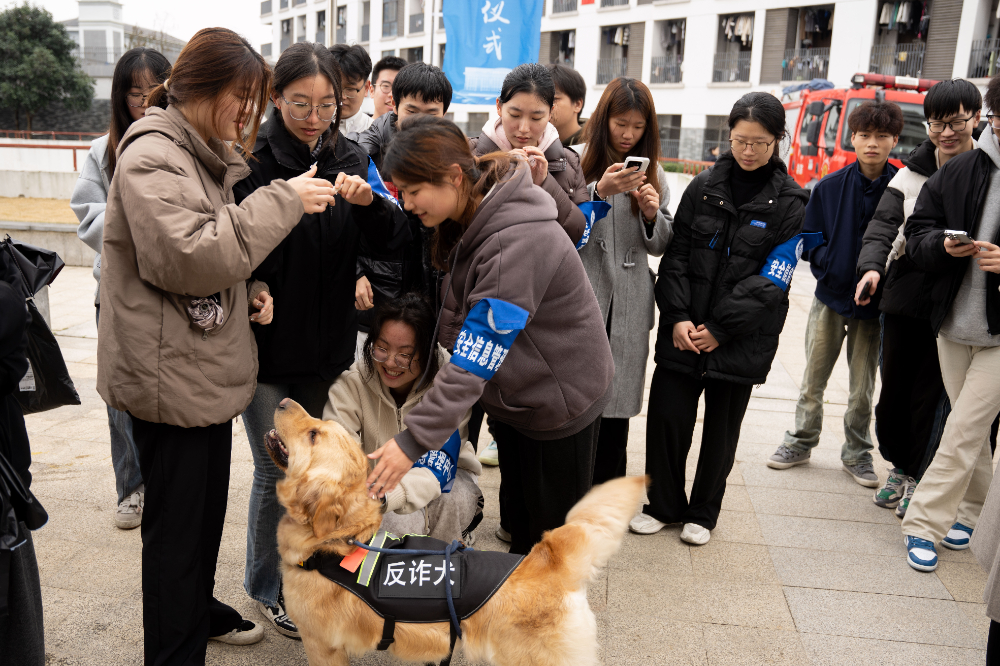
[593, 531]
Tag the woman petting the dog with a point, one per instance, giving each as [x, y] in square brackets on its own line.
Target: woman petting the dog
[376, 394]
[532, 347]
[312, 274]
[175, 349]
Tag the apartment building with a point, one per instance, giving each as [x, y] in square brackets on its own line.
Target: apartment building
[697, 56]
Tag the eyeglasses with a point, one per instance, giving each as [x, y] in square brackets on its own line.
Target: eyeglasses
[385, 87]
[136, 100]
[381, 355]
[325, 112]
[936, 126]
[351, 93]
[994, 120]
[759, 147]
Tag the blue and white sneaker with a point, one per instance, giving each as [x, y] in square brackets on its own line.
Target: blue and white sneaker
[489, 455]
[921, 554]
[958, 537]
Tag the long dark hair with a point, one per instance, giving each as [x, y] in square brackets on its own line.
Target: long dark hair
[763, 108]
[137, 68]
[413, 310]
[423, 151]
[307, 59]
[214, 64]
[530, 78]
[622, 96]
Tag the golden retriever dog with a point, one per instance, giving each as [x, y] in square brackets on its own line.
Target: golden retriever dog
[539, 616]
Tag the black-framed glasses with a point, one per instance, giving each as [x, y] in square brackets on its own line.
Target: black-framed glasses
[302, 111]
[351, 93]
[957, 125]
[381, 355]
[759, 147]
[136, 100]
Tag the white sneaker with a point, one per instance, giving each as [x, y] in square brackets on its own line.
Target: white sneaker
[247, 633]
[644, 524]
[695, 534]
[128, 515]
[489, 455]
[502, 534]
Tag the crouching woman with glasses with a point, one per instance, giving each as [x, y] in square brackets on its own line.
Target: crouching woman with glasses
[375, 395]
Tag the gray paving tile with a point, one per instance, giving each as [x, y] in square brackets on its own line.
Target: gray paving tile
[818, 534]
[730, 645]
[741, 562]
[881, 616]
[634, 638]
[976, 612]
[799, 567]
[965, 581]
[824, 650]
[738, 526]
[662, 552]
[804, 477]
[832, 506]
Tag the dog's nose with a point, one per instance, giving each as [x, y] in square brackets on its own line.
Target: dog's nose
[284, 403]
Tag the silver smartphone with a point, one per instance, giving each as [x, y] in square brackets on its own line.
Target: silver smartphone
[632, 162]
[958, 235]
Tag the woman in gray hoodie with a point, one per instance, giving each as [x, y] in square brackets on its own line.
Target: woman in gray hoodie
[136, 74]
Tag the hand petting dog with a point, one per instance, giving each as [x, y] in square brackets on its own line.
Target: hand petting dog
[392, 465]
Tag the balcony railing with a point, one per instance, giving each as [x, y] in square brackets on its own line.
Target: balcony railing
[364, 33]
[665, 69]
[98, 61]
[563, 6]
[321, 36]
[416, 23]
[285, 43]
[609, 69]
[984, 57]
[302, 38]
[614, 3]
[299, 2]
[265, 7]
[805, 64]
[731, 67]
[265, 50]
[897, 59]
[389, 28]
[670, 147]
[341, 35]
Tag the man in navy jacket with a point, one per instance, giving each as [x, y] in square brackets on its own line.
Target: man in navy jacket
[840, 207]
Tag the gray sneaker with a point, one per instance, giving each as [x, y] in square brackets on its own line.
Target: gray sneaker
[128, 515]
[904, 504]
[863, 473]
[785, 457]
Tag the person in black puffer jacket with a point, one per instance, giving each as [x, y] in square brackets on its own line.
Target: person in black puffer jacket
[722, 306]
[311, 277]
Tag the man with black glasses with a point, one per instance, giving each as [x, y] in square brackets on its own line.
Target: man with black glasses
[355, 67]
[840, 207]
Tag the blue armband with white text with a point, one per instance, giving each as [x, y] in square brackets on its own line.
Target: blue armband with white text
[781, 263]
[443, 464]
[593, 211]
[378, 185]
[487, 335]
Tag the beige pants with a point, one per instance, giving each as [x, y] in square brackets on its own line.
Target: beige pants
[955, 484]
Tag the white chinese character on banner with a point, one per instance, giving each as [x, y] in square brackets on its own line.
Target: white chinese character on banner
[493, 44]
[789, 269]
[491, 14]
[465, 345]
[459, 341]
[484, 358]
[394, 574]
[497, 353]
[478, 347]
[441, 577]
[777, 267]
[420, 573]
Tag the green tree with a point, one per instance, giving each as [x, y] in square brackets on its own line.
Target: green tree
[37, 66]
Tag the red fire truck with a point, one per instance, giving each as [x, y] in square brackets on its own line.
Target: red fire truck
[821, 139]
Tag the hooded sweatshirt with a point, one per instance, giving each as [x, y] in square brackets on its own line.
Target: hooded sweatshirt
[556, 377]
[361, 403]
[172, 233]
[966, 321]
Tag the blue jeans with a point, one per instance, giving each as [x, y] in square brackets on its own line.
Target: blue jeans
[124, 455]
[262, 579]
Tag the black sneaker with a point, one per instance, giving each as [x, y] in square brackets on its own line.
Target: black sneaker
[277, 616]
[247, 633]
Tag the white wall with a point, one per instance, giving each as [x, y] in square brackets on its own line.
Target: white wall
[43, 159]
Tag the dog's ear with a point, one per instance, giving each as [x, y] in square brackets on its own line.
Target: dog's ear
[326, 517]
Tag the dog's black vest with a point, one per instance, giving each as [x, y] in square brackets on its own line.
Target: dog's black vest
[409, 589]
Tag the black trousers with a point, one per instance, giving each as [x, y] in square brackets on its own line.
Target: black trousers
[22, 633]
[542, 480]
[993, 644]
[912, 394]
[187, 486]
[673, 409]
[612, 457]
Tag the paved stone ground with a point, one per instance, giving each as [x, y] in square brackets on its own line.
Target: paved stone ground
[802, 568]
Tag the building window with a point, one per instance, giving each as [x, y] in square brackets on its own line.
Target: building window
[613, 58]
[390, 52]
[441, 54]
[670, 135]
[416, 16]
[300, 29]
[668, 52]
[321, 27]
[286, 34]
[412, 55]
[558, 46]
[366, 18]
[265, 50]
[734, 45]
[390, 23]
[716, 137]
[900, 39]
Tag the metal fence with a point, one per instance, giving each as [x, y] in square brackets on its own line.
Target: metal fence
[265, 7]
[563, 6]
[897, 59]
[805, 64]
[665, 69]
[730, 67]
[983, 59]
[609, 69]
[670, 148]
[614, 3]
[416, 23]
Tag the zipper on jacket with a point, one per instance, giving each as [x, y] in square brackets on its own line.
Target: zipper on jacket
[715, 238]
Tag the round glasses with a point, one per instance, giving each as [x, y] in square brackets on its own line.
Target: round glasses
[302, 111]
[759, 147]
[994, 120]
[381, 355]
[385, 87]
[936, 126]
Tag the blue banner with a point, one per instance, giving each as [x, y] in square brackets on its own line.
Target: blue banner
[487, 335]
[593, 211]
[444, 463]
[487, 39]
[781, 263]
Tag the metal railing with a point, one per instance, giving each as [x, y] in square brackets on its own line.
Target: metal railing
[897, 59]
[984, 57]
[805, 64]
[665, 69]
[364, 33]
[731, 67]
[723, 146]
[321, 36]
[49, 147]
[49, 135]
[559, 6]
[609, 69]
[265, 7]
[690, 167]
[389, 28]
[614, 3]
[416, 23]
[669, 148]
